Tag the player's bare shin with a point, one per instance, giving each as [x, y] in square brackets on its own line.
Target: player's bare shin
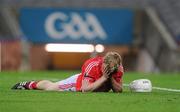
[47, 85]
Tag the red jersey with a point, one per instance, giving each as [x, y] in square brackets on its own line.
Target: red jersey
[92, 71]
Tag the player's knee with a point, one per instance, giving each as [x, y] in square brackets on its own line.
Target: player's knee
[45, 82]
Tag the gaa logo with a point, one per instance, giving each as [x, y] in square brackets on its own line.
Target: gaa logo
[74, 26]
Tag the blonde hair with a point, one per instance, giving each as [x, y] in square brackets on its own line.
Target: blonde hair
[112, 57]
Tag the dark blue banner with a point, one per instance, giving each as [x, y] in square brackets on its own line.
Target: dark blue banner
[102, 26]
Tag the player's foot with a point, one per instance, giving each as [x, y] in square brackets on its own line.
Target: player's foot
[22, 85]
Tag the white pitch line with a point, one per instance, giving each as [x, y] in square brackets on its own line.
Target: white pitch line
[159, 88]
[166, 89]
[126, 85]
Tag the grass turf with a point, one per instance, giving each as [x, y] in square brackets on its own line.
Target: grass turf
[51, 101]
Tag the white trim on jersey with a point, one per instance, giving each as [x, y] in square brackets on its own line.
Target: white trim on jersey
[90, 66]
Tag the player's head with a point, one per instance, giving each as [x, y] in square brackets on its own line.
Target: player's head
[113, 61]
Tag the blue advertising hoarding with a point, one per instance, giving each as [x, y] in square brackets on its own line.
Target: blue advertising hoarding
[62, 25]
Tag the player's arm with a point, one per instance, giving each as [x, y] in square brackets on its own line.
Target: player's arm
[116, 80]
[88, 87]
[116, 85]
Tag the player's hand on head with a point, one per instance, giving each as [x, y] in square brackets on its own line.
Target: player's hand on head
[106, 71]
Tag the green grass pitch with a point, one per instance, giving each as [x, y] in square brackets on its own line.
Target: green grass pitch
[51, 101]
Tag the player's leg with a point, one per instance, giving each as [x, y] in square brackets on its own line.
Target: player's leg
[47, 85]
[40, 85]
[68, 84]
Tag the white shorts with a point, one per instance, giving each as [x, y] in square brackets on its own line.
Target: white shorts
[68, 84]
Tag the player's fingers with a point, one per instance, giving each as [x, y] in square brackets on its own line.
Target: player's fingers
[105, 68]
[108, 70]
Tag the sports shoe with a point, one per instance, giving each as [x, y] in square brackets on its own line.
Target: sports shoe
[22, 85]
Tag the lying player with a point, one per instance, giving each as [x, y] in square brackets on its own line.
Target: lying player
[99, 74]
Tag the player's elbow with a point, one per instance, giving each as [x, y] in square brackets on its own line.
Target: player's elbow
[86, 89]
[118, 90]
